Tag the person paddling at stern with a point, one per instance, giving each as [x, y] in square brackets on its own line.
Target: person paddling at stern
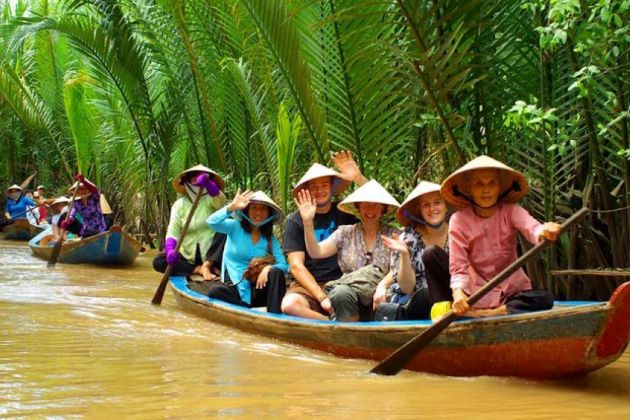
[483, 234]
[200, 242]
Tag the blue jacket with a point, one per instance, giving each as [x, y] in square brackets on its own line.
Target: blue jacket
[239, 250]
[18, 208]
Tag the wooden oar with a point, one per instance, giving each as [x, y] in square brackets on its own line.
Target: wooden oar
[159, 293]
[27, 181]
[57, 249]
[396, 361]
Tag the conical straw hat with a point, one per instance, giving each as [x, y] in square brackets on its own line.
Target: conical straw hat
[14, 187]
[261, 197]
[105, 207]
[370, 192]
[61, 200]
[455, 185]
[76, 183]
[410, 203]
[180, 188]
[315, 171]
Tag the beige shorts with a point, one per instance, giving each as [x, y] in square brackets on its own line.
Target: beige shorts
[313, 303]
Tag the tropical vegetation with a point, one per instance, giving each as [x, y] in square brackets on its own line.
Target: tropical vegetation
[131, 92]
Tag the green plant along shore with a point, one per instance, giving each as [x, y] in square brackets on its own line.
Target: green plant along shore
[131, 92]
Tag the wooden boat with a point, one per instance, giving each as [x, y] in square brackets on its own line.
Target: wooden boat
[571, 339]
[111, 247]
[22, 230]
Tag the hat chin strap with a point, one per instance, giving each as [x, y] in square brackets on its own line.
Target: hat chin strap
[514, 187]
[256, 224]
[422, 221]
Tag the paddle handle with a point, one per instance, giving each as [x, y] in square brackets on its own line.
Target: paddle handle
[159, 293]
[396, 361]
[57, 249]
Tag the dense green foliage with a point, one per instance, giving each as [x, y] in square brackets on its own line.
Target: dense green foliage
[132, 92]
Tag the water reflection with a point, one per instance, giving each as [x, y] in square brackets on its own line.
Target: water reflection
[81, 341]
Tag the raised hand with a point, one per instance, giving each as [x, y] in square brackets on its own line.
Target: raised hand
[306, 205]
[345, 164]
[241, 200]
[203, 180]
[395, 243]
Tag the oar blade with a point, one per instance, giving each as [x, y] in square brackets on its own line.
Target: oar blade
[159, 293]
[55, 254]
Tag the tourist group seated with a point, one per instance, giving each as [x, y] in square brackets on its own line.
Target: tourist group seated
[365, 257]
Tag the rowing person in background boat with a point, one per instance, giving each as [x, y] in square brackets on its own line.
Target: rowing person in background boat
[40, 197]
[483, 234]
[419, 283]
[59, 207]
[201, 248]
[305, 296]
[86, 208]
[361, 254]
[18, 204]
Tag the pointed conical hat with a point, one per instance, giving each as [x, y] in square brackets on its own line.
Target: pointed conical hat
[507, 176]
[261, 197]
[60, 200]
[410, 203]
[315, 171]
[76, 183]
[180, 188]
[370, 192]
[105, 208]
[14, 187]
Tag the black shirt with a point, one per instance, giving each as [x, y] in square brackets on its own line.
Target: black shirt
[325, 224]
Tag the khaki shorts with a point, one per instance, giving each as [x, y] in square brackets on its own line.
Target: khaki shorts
[313, 303]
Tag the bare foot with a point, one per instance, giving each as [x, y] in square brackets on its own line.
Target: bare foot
[478, 313]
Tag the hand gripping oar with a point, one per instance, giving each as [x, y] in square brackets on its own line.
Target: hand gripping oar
[159, 293]
[396, 361]
[57, 249]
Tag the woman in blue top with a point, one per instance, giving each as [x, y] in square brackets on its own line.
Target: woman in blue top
[17, 204]
[248, 223]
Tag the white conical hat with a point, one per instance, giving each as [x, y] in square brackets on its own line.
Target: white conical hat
[179, 186]
[410, 203]
[261, 197]
[14, 187]
[315, 171]
[61, 200]
[370, 192]
[454, 188]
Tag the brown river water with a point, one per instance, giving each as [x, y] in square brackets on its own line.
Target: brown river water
[85, 342]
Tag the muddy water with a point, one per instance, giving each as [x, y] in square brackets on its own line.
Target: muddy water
[84, 342]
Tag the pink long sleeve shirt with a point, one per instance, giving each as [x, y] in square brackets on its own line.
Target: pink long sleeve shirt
[481, 247]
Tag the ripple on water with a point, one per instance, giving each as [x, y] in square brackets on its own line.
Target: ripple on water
[82, 341]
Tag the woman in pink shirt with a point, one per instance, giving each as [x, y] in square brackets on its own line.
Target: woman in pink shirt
[483, 235]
